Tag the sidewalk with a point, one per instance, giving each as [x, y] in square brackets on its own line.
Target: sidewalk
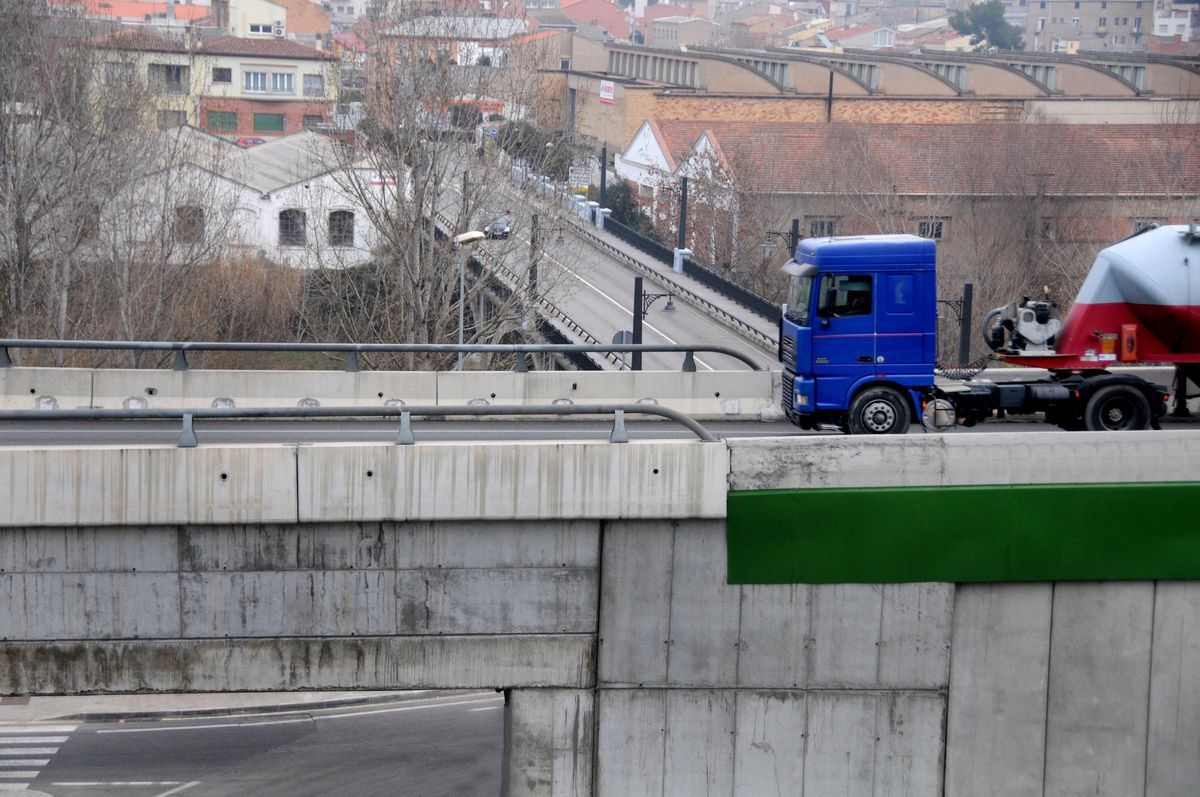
[110, 708]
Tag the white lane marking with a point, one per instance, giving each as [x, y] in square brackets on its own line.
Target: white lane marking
[406, 708]
[486, 708]
[208, 727]
[117, 783]
[32, 739]
[24, 762]
[24, 774]
[4, 729]
[13, 786]
[28, 750]
[178, 789]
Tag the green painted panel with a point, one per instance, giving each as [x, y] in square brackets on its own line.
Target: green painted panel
[1054, 532]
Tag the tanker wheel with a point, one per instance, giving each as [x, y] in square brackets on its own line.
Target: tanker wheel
[878, 410]
[1117, 408]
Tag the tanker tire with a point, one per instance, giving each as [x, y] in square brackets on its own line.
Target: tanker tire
[878, 410]
[1117, 408]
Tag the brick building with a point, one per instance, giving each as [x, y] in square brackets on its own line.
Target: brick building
[1014, 206]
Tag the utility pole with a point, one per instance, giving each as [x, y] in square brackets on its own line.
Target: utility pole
[535, 254]
[682, 215]
[464, 220]
[603, 175]
[636, 360]
[795, 239]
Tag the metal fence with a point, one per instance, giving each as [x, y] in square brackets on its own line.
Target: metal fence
[353, 350]
[748, 299]
[404, 435]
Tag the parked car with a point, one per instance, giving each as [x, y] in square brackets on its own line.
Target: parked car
[245, 142]
[500, 228]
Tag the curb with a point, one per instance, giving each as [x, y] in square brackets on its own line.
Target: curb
[279, 708]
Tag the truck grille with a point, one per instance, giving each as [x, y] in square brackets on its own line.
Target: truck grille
[789, 391]
[787, 350]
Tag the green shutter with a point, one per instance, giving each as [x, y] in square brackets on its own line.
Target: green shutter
[222, 120]
[268, 122]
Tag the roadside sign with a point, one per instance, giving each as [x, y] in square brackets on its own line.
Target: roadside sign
[623, 338]
[608, 90]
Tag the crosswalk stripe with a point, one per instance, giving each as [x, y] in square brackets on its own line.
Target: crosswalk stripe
[24, 774]
[28, 750]
[13, 786]
[36, 728]
[32, 739]
[24, 762]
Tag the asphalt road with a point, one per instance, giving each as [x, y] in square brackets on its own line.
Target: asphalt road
[449, 745]
[596, 290]
[90, 433]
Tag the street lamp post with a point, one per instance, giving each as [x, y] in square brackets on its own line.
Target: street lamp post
[792, 238]
[462, 243]
[641, 306]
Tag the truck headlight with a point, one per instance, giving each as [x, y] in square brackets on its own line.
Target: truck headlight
[801, 400]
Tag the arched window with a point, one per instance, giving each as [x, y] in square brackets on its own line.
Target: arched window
[189, 224]
[292, 228]
[341, 228]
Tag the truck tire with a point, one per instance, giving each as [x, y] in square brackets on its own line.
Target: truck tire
[1116, 408]
[878, 410]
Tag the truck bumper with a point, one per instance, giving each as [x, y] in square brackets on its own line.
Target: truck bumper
[799, 394]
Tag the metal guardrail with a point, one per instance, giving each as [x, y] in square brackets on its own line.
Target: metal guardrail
[404, 436]
[353, 350]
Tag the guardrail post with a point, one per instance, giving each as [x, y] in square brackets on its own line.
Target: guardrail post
[352, 362]
[689, 362]
[405, 436]
[5, 362]
[180, 362]
[187, 437]
[519, 365]
[619, 435]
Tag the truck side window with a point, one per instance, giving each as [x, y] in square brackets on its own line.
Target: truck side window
[845, 295]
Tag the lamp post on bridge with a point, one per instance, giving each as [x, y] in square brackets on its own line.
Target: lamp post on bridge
[641, 306]
[463, 242]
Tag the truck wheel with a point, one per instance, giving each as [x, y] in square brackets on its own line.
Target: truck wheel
[878, 410]
[1117, 408]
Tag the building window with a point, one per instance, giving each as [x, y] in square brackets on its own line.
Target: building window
[291, 228]
[168, 78]
[1049, 228]
[260, 29]
[341, 228]
[255, 81]
[935, 228]
[189, 224]
[118, 72]
[281, 82]
[313, 121]
[169, 120]
[268, 122]
[222, 74]
[1103, 23]
[314, 85]
[222, 120]
[822, 226]
[89, 222]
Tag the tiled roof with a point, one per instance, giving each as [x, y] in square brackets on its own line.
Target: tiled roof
[268, 48]
[949, 159]
[139, 39]
[134, 10]
[602, 13]
[839, 34]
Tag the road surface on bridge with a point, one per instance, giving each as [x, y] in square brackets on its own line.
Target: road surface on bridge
[446, 745]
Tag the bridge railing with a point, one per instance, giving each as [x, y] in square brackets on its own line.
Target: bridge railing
[404, 436]
[352, 351]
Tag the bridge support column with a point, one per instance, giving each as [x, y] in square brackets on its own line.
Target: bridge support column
[549, 743]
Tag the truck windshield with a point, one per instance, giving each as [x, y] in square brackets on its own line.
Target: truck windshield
[798, 299]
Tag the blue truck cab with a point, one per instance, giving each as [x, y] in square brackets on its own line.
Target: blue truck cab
[858, 337]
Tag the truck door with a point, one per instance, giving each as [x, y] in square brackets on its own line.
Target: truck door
[900, 331]
[843, 336]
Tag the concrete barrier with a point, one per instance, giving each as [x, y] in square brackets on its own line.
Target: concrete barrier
[716, 395]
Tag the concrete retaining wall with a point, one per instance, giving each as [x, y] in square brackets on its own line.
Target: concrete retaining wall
[593, 588]
[749, 395]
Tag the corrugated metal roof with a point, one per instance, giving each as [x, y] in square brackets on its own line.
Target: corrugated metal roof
[472, 28]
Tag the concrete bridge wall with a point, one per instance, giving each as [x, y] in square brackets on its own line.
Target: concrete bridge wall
[590, 580]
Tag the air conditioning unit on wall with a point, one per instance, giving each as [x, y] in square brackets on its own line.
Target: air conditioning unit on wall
[278, 29]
